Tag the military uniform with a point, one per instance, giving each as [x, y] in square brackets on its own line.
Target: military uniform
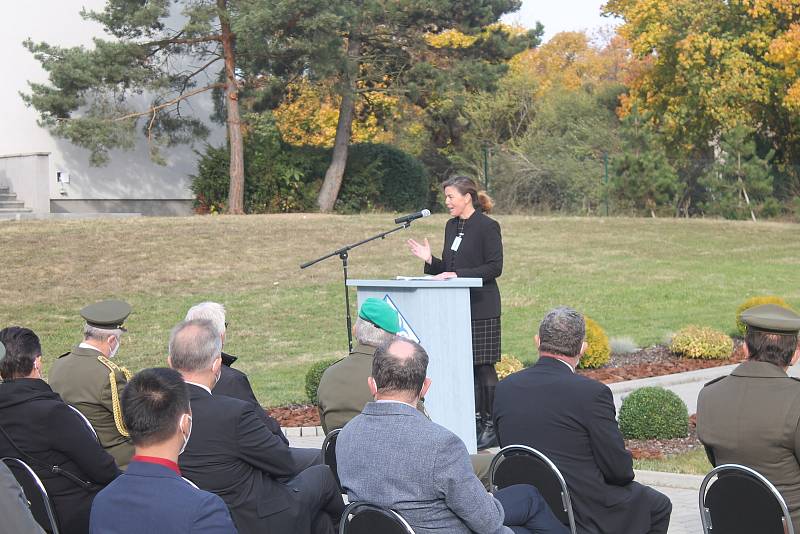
[92, 383]
[752, 417]
[343, 390]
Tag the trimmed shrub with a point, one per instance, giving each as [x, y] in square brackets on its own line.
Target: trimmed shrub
[653, 413]
[599, 351]
[507, 365]
[702, 342]
[753, 302]
[314, 375]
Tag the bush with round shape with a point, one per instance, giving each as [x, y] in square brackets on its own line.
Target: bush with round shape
[314, 375]
[507, 365]
[598, 352]
[752, 303]
[653, 413]
[702, 342]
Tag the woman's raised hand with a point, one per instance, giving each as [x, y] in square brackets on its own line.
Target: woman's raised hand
[421, 250]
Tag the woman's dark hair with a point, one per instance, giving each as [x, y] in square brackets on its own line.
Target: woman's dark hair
[152, 403]
[480, 199]
[22, 348]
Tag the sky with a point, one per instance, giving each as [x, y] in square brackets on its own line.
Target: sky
[559, 16]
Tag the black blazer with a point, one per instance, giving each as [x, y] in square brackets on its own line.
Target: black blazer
[480, 255]
[43, 426]
[233, 454]
[234, 383]
[571, 419]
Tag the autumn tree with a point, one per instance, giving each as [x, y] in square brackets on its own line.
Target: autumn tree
[98, 97]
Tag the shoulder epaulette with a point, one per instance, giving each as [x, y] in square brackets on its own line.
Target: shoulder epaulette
[68, 352]
[115, 405]
[715, 380]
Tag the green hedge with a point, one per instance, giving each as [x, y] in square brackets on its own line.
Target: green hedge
[284, 178]
[653, 413]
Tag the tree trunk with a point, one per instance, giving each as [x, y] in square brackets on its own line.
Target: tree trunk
[236, 170]
[344, 128]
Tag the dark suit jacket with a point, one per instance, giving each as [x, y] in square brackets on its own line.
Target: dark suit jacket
[480, 255]
[233, 454]
[234, 383]
[571, 419]
[153, 498]
[44, 427]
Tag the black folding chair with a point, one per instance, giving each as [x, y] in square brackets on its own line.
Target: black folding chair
[742, 501]
[86, 422]
[39, 502]
[518, 464]
[363, 518]
[329, 454]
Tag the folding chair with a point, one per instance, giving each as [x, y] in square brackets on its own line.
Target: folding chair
[742, 501]
[39, 502]
[86, 421]
[329, 454]
[363, 518]
[518, 464]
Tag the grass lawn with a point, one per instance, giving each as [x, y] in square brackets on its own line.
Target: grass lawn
[639, 278]
[690, 463]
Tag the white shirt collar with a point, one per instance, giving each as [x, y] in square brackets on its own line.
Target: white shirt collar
[87, 346]
[200, 386]
[565, 363]
[396, 401]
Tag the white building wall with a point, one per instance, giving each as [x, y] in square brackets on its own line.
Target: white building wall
[131, 182]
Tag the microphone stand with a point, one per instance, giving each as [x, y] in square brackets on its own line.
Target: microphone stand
[343, 254]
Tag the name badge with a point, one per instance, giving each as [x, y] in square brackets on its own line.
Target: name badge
[456, 243]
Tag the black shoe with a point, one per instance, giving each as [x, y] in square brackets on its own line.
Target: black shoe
[487, 438]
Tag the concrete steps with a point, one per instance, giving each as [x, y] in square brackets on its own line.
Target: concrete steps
[10, 206]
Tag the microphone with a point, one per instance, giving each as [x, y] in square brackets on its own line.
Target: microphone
[412, 217]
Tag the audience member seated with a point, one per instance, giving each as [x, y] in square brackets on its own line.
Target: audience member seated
[234, 383]
[14, 510]
[233, 454]
[393, 456]
[88, 379]
[37, 427]
[752, 416]
[151, 496]
[343, 390]
[572, 420]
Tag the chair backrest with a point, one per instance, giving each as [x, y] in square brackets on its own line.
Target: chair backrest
[38, 500]
[741, 501]
[363, 518]
[85, 420]
[329, 453]
[519, 464]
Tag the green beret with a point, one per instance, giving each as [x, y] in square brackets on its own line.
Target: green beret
[771, 318]
[107, 315]
[380, 314]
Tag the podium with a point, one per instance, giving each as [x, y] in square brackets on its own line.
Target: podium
[437, 313]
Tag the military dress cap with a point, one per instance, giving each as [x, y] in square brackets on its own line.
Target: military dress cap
[107, 315]
[379, 313]
[771, 318]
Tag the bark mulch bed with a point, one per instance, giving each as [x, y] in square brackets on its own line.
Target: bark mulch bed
[644, 363]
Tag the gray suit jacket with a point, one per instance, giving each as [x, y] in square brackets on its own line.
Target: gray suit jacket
[14, 509]
[393, 456]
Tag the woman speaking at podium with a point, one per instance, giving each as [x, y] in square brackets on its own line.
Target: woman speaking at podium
[473, 248]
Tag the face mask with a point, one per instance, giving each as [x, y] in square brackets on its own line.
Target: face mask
[187, 435]
[115, 349]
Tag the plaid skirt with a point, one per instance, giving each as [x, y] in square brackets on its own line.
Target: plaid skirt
[486, 341]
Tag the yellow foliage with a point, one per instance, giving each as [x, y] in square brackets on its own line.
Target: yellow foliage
[450, 39]
[507, 365]
[702, 342]
[599, 351]
[309, 114]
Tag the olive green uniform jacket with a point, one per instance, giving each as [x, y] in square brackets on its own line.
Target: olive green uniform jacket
[93, 384]
[751, 417]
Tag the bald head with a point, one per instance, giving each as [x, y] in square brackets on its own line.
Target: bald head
[194, 346]
[400, 367]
